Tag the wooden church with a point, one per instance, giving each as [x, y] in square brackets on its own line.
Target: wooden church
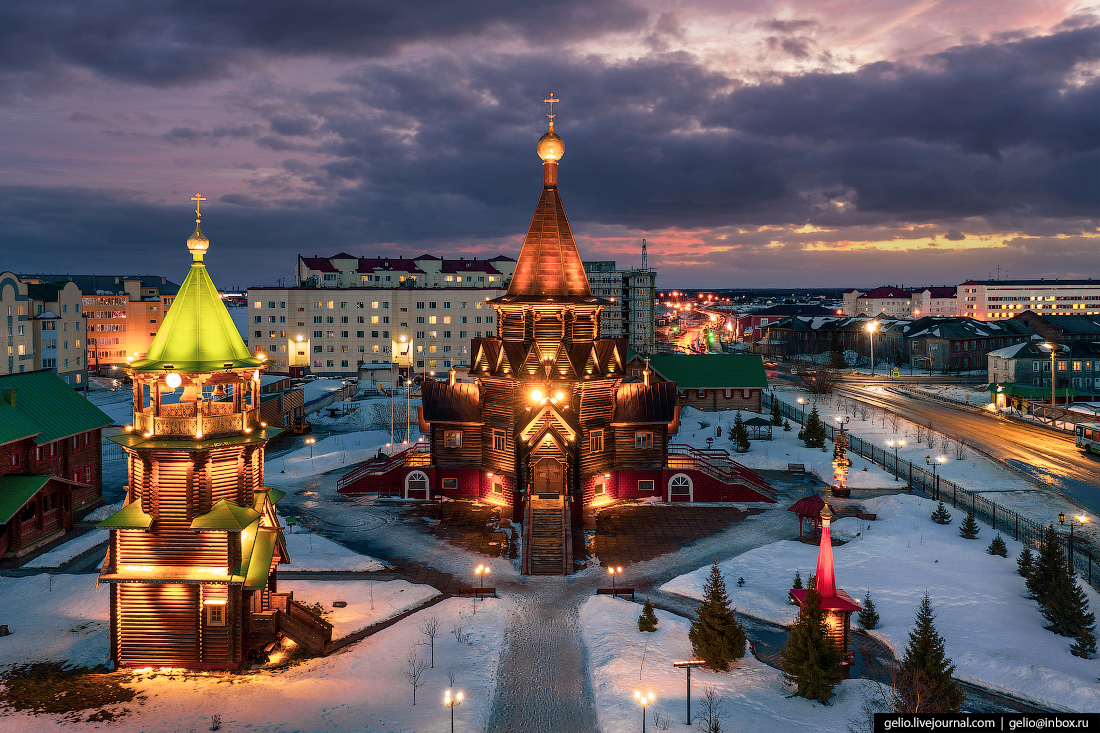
[192, 557]
[552, 423]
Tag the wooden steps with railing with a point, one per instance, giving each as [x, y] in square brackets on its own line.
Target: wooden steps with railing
[545, 534]
[417, 454]
[717, 464]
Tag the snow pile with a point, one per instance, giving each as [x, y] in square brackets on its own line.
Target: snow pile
[622, 659]
[312, 552]
[336, 452]
[368, 602]
[62, 554]
[104, 511]
[993, 633]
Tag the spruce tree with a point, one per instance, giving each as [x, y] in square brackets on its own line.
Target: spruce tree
[739, 434]
[997, 547]
[648, 620]
[1048, 566]
[867, 618]
[1025, 564]
[941, 515]
[813, 435]
[1084, 645]
[1067, 609]
[797, 581]
[928, 667]
[811, 661]
[777, 419]
[716, 635]
[786, 426]
[969, 528]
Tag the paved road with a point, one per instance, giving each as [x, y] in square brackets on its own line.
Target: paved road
[1048, 457]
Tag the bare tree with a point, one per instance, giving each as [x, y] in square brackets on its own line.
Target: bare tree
[460, 634]
[452, 675]
[380, 417]
[946, 445]
[863, 410]
[931, 437]
[885, 415]
[430, 627]
[661, 722]
[895, 422]
[821, 379]
[921, 430]
[713, 713]
[960, 450]
[414, 671]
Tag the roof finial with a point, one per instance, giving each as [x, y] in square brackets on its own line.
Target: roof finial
[198, 244]
[551, 100]
[198, 198]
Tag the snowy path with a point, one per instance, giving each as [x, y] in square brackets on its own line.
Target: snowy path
[544, 684]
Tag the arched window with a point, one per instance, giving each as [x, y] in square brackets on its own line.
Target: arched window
[680, 488]
[416, 485]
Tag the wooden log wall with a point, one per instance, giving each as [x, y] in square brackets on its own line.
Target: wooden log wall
[596, 402]
[156, 624]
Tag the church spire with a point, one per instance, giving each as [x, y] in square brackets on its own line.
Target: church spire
[549, 264]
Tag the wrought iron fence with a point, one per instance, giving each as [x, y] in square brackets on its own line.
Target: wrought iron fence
[111, 450]
[931, 484]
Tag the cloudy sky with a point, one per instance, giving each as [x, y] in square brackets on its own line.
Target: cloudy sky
[752, 143]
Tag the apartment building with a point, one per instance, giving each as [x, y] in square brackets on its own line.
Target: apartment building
[348, 271]
[993, 299]
[57, 330]
[122, 313]
[894, 302]
[18, 353]
[332, 331]
[632, 312]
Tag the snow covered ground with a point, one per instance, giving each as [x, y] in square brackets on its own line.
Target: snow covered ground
[368, 601]
[622, 659]
[62, 554]
[313, 552]
[993, 633]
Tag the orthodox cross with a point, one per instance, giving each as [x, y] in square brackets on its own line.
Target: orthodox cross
[551, 100]
[198, 199]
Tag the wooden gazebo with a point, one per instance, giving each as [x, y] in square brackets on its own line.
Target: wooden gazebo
[808, 507]
[759, 428]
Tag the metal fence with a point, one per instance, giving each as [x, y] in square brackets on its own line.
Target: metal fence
[111, 450]
[931, 484]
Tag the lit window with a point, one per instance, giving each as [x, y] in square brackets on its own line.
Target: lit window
[452, 439]
[643, 440]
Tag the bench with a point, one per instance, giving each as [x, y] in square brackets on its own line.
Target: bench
[615, 592]
[477, 592]
[866, 516]
[796, 468]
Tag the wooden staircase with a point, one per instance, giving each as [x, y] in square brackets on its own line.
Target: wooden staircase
[547, 538]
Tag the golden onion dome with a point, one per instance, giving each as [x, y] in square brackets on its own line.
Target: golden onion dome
[551, 147]
[826, 513]
[197, 243]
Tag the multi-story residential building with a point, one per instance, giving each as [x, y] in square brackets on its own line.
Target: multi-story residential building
[122, 313]
[750, 326]
[332, 331]
[1062, 329]
[633, 297]
[894, 302]
[58, 332]
[1024, 369]
[797, 336]
[15, 308]
[950, 344]
[997, 299]
[347, 271]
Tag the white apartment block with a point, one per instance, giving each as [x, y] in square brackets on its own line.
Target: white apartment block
[900, 303]
[633, 296]
[332, 331]
[44, 328]
[347, 271]
[991, 299]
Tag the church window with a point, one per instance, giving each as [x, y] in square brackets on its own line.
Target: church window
[643, 440]
[215, 614]
[498, 440]
[452, 439]
[599, 490]
[498, 487]
[595, 441]
[645, 485]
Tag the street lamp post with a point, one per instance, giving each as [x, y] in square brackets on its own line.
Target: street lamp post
[481, 571]
[643, 700]
[613, 572]
[1053, 380]
[310, 442]
[686, 666]
[1080, 520]
[802, 401]
[452, 703]
[408, 409]
[871, 334]
[895, 444]
[935, 477]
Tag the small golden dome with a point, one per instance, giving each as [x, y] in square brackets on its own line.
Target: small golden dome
[551, 147]
[198, 243]
[826, 513]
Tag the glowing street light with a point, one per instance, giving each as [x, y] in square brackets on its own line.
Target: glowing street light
[452, 703]
[481, 571]
[643, 700]
[613, 571]
[935, 480]
[802, 401]
[1080, 520]
[895, 444]
[310, 442]
[871, 333]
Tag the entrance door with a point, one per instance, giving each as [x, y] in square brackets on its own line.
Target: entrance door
[549, 477]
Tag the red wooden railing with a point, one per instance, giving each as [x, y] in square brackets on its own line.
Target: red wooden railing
[717, 464]
[377, 467]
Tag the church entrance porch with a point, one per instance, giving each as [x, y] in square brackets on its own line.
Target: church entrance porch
[548, 478]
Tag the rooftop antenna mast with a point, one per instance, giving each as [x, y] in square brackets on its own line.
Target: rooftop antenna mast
[645, 257]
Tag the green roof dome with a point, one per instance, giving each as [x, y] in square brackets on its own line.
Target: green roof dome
[198, 334]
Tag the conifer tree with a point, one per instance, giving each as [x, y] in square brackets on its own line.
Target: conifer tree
[997, 546]
[716, 635]
[928, 668]
[777, 419]
[1050, 564]
[648, 620]
[1084, 645]
[867, 618]
[813, 435]
[797, 581]
[1067, 607]
[941, 515]
[786, 426]
[969, 528]
[1025, 564]
[739, 434]
[811, 661]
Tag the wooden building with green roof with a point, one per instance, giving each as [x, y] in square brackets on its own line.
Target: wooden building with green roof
[50, 459]
[193, 554]
[709, 382]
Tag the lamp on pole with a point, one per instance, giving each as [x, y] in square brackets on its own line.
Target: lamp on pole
[871, 334]
[452, 703]
[613, 572]
[895, 444]
[935, 478]
[643, 700]
[802, 401]
[310, 442]
[687, 665]
[1079, 521]
[481, 571]
[1053, 379]
[408, 408]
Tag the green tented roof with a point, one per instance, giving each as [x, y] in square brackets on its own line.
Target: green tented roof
[128, 517]
[47, 407]
[198, 334]
[1029, 392]
[225, 516]
[16, 491]
[711, 371]
[259, 561]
